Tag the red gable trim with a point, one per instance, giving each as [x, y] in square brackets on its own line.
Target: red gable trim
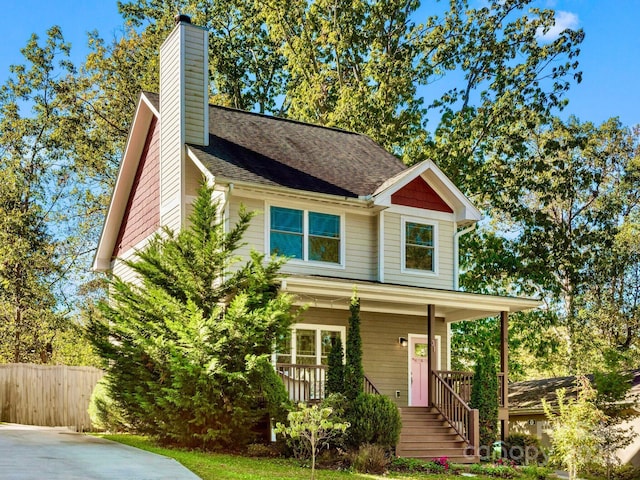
[417, 193]
[142, 215]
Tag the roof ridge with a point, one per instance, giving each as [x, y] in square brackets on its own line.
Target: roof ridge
[284, 119]
[289, 120]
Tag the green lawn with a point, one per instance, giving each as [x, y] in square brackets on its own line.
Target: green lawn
[211, 466]
[218, 466]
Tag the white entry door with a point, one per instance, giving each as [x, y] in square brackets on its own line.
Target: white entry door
[419, 369]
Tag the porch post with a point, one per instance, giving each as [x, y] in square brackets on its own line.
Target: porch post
[504, 368]
[431, 316]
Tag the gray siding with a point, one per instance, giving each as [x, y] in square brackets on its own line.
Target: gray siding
[393, 256]
[385, 361]
[361, 260]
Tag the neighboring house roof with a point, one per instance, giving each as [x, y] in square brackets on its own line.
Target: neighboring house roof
[251, 147]
[527, 396]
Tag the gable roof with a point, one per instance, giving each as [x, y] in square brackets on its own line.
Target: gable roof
[251, 147]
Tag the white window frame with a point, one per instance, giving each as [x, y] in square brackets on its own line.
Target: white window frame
[305, 236]
[403, 246]
[318, 328]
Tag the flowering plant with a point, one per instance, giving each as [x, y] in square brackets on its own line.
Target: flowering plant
[443, 462]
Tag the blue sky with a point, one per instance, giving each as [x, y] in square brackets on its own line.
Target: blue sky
[609, 59]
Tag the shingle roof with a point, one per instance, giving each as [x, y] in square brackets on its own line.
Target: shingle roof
[528, 395]
[266, 150]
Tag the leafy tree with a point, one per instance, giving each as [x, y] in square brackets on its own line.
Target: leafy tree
[315, 426]
[335, 370]
[573, 428]
[353, 371]
[564, 201]
[484, 397]
[358, 65]
[187, 348]
[33, 183]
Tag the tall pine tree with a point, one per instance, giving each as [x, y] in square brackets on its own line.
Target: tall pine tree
[187, 348]
[354, 373]
[484, 397]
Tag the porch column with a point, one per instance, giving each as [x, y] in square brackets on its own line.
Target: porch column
[431, 317]
[504, 368]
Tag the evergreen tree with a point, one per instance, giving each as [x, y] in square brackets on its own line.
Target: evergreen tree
[484, 397]
[187, 348]
[335, 371]
[354, 373]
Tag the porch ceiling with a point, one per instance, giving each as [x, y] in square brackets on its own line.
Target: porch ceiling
[325, 292]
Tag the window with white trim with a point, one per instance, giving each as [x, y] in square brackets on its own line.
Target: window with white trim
[307, 344]
[419, 246]
[305, 235]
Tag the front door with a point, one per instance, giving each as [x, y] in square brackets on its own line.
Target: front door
[419, 369]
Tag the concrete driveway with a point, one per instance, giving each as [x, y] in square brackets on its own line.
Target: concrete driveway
[28, 452]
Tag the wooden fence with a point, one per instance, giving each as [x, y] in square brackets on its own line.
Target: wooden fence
[53, 396]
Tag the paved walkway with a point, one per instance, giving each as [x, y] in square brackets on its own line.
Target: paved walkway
[28, 452]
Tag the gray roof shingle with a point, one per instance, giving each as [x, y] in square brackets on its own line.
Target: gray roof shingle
[266, 150]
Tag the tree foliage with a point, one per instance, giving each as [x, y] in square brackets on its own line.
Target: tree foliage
[563, 207]
[314, 425]
[33, 183]
[353, 370]
[187, 348]
[484, 397]
[335, 369]
[573, 428]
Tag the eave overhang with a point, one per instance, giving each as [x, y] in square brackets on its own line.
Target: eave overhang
[452, 306]
[145, 112]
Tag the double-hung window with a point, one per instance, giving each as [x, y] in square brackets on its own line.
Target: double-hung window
[419, 246]
[305, 235]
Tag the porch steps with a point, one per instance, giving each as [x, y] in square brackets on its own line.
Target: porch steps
[426, 435]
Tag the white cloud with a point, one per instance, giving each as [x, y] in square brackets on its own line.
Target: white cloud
[564, 20]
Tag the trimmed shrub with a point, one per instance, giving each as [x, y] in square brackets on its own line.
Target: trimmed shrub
[374, 419]
[524, 449]
[370, 459]
[353, 371]
[335, 370]
[484, 397]
[411, 465]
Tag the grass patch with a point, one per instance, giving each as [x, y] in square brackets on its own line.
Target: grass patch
[220, 466]
[223, 466]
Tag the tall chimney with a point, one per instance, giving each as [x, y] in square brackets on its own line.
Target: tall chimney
[184, 111]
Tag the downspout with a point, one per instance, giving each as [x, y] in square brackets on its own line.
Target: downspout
[225, 207]
[456, 255]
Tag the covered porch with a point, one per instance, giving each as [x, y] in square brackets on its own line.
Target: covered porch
[406, 344]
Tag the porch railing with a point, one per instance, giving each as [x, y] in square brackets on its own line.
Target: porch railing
[461, 382]
[306, 383]
[463, 419]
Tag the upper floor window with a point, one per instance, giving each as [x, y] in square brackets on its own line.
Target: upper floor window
[419, 246]
[305, 235]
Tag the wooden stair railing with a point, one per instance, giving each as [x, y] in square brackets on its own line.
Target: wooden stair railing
[370, 387]
[462, 418]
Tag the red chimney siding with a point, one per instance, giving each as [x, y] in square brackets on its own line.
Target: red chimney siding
[419, 194]
[142, 215]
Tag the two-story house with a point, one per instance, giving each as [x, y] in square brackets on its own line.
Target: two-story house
[347, 213]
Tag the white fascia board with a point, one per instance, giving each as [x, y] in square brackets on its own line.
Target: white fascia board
[122, 189]
[457, 302]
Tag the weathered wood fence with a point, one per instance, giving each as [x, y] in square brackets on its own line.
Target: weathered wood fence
[53, 396]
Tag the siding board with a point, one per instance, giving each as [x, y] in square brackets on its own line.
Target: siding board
[385, 361]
